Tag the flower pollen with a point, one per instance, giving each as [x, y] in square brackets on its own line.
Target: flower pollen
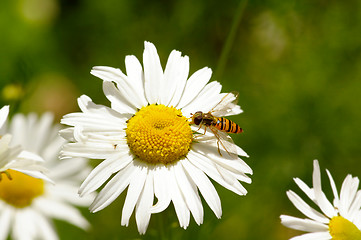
[19, 190]
[342, 229]
[159, 134]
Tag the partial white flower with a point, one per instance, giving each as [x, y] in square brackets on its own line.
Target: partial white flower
[27, 204]
[14, 157]
[4, 112]
[339, 220]
[147, 143]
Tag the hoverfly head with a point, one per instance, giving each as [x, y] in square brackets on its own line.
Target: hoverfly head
[197, 118]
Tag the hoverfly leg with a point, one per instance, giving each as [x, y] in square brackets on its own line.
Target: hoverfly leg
[219, 151]
[200, 125]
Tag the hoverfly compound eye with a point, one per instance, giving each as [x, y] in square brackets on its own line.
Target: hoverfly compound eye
[197, 118]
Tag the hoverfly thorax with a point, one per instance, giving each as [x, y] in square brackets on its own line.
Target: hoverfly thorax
[209, 119]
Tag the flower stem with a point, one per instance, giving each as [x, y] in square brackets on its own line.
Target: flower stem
[230, 39]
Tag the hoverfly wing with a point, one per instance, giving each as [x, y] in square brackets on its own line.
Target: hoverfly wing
[227, 105]
[225, 142]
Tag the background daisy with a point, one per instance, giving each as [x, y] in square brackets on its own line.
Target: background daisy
[14, 157]
[146, 141]
[30, 216]
[339, 220]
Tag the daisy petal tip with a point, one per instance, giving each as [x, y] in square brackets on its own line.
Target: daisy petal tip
[149, 46]
[84, 100]
[316, 163]
[5, 109]
[92, 209]
[124, 224]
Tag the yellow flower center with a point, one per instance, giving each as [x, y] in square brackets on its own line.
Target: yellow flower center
[342, 229]
[20, 189]
[159, 134]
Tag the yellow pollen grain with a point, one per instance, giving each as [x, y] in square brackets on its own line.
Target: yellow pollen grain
[342, 229]
[20, 189]
[159, 134]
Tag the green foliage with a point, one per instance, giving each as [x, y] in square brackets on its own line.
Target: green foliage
[296, 65]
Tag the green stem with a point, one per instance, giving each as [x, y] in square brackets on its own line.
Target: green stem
[230, 39]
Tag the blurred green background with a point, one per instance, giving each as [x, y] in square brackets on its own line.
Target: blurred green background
[296, 65]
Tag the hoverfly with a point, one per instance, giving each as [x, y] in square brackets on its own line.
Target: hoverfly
[220, 126]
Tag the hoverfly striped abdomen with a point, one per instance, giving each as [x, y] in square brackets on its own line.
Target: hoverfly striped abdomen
[228, 126]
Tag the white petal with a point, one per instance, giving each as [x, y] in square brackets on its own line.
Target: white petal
[135, 188]
[189, 192]
[161, 188]
[303, 207]
[67, 134]
[142, 212]
[205, 186]
[24, 226]
[4, 112]
[153, 73]
[60, 169]
[47, 133]
[6, 219]
[113, 189]
[320, 197]
[171, 77]
[19, 131]
[125, 91]
[347, 195]
[205, 100]
[306, 225]
[334, 190]
[227, 161]
[30, 156]
[24, 128]
[314, 236]
[61, 211]
[35, 174]
[232, 179]
[178, 200]
[194, 85]
[65, 192]
[306, 189]
[103, 171]
[45, 227]
[136, 78]
[88, 149]
[83, 103]
[119, 102]
[203, 163]
[175, 77]
[95, 110]
[354, 209]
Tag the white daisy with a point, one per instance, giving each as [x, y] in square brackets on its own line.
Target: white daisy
[146, 140]
[27, 204]
[340, 220]
[14, 157]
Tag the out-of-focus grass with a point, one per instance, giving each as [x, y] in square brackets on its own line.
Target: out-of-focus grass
[296, 65]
